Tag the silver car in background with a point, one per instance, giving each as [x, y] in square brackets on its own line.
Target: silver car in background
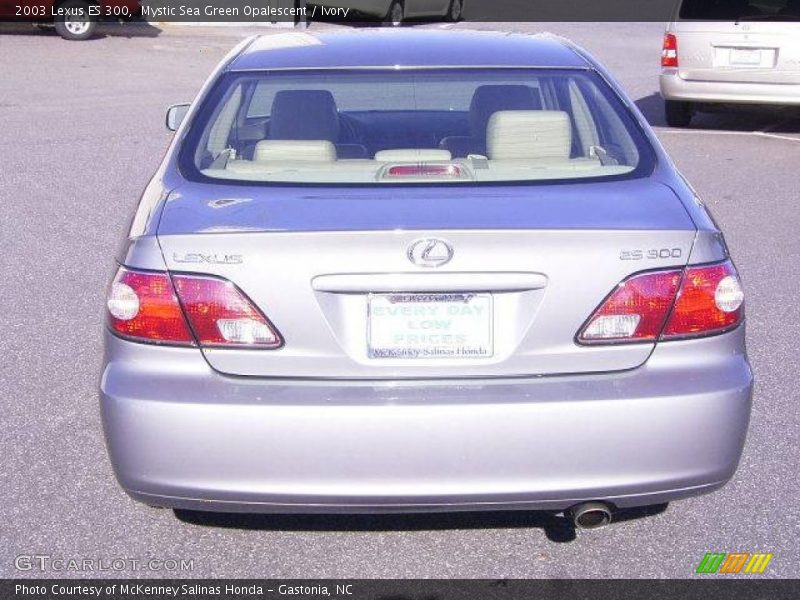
[421, 271]
[719, 52]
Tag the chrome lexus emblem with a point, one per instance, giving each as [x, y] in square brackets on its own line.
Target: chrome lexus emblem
[430, 252]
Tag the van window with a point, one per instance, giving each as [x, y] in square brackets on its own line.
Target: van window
[740, 10]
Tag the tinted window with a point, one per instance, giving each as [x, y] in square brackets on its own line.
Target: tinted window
[384, 127]
[737, 10]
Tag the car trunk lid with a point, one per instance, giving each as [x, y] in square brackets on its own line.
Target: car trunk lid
[340, 272]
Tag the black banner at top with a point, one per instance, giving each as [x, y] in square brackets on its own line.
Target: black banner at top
[412, 10]
[357, 11]
[299, 11]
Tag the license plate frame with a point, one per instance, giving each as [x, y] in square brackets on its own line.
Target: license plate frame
[472, 306]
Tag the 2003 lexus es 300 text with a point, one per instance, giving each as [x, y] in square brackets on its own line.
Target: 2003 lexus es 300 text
[418, 271]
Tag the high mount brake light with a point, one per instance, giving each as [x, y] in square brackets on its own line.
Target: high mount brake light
[423, 170]
[669, 52]
[185, 309]
[668, 304]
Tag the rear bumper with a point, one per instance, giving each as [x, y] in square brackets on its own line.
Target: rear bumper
[673, 87]
[183, 436]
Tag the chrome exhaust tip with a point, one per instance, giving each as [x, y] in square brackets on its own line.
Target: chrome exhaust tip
[590, 515]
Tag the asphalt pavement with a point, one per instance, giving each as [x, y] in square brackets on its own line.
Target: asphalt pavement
[81, 131]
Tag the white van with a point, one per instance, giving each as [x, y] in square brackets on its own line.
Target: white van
[730, 52]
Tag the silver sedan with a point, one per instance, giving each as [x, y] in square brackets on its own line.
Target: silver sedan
[380, 271]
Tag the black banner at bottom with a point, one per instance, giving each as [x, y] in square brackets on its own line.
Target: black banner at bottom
[711, 588]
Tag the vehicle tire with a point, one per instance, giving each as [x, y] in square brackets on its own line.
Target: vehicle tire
[679, 114]
[456, 11]
[394, 18]
[75, 27]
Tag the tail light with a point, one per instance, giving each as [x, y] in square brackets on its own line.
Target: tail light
[668, 304]
[142, 306]
[710, 301]
[669, 52]
[221, 315]
[636, 310]
[185, 310]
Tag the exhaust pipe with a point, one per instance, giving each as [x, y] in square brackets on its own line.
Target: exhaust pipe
[590, 515]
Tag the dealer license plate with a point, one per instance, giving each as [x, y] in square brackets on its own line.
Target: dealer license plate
[430, 326]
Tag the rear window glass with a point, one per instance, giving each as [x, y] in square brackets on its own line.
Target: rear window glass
[740, 10]
[383, 127]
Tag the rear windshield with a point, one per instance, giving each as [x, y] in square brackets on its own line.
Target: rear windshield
[385, 127]
[740, 10]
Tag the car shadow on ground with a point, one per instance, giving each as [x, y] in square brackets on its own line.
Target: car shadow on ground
[133, 29]
[778, 120]
[556, 528]
[652, 107]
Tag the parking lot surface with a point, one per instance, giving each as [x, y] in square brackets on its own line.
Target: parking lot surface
[82, 131]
